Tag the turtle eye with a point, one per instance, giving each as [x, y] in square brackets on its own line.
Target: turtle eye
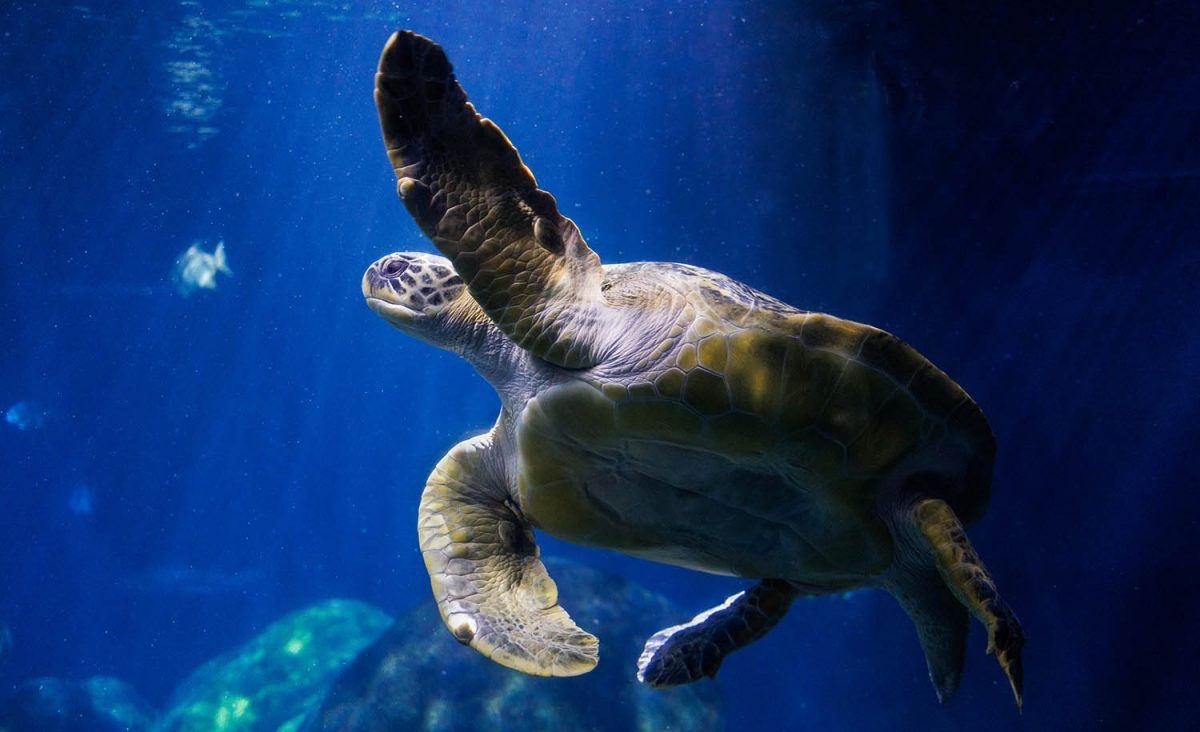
[395, 267]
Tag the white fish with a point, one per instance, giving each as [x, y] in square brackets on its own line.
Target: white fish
[26, 415]
[197, 269]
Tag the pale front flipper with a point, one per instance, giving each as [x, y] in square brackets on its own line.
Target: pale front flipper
[491, 589]
[688, 652]
[465, 185]
[933, 525]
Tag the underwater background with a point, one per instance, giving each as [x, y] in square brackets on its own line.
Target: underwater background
[1014, 192]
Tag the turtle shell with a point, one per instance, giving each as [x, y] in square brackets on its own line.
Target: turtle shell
[754, 439]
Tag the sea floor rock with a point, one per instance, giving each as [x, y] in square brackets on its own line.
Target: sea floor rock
[276, 679]
[417, 677]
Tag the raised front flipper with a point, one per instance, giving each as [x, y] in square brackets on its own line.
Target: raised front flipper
[465, 185]
[685, 653]
[491, 589]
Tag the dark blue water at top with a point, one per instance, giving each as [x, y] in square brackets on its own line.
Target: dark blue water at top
[1014, 193]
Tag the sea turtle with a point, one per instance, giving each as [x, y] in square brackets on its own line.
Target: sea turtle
[667, 412]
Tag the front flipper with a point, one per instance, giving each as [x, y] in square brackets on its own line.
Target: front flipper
[465, 185]
[685, 653]
[491, 589]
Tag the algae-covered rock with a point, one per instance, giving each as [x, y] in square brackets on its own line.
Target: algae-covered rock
[417, 677]
[98, 704]
[276, 679]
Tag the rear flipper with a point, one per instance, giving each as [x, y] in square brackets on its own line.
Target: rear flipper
[685, 653]
[933, 525]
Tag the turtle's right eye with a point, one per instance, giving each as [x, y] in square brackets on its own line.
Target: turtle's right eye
[395, 267]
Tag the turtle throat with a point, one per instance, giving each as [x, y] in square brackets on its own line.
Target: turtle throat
[465, 329]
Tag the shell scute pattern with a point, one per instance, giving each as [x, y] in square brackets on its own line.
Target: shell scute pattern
[657, 420]
[616, 392]
[891, 355]
[755, 384]
[809, 377]
[760, 376]
[706, 392]
[856, 400]
[817, 454]
[713, 352]
[704, 327]
[744, 435]
[887, 437]
[834, 334]
[686, 360]
[670, 383]
[642, 390]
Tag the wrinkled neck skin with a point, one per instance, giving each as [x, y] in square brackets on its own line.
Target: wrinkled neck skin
[464, 329]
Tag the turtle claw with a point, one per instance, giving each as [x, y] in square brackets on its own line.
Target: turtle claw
[1006, 639]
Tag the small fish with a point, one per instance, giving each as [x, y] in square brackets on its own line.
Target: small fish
[197, 269]
[26, 415]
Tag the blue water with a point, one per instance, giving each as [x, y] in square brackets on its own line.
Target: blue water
[1013, 193]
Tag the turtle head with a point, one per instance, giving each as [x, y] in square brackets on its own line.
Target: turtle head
[417, 293]
[423, 296]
